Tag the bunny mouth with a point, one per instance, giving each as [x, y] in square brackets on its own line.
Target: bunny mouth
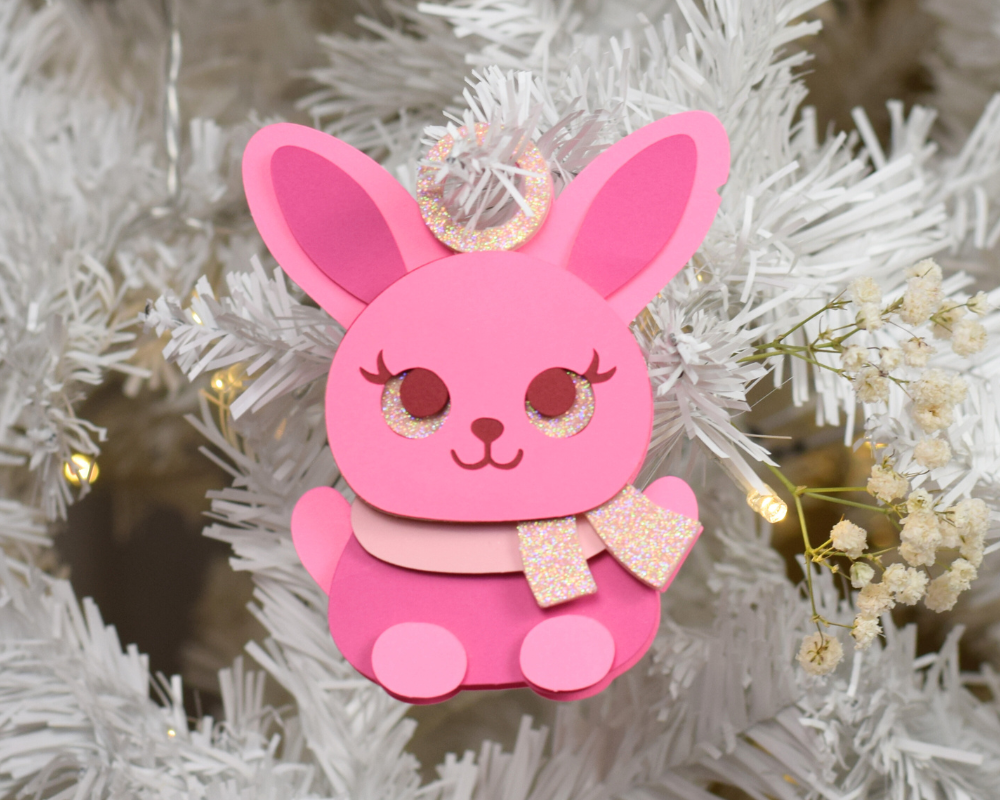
[487, 460]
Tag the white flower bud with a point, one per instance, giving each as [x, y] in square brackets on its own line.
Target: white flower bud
[919, 500]
[926, 269]
[871, 386]
[820, 654]
[886, 484]
[874, 599]
[920, 538]
[972, 516]
[941, 595]
[969, 337]
[865, 630]
[854, 358]
[933, 397]
[865, 290]
[907, 584]
[849, 538]
[916, 352]
[961, 574]
[861, 575]
[933, 417]
[890, 358]
[921, 299]
[979, 304]
[932, 453]
[972, 547]
[946, 319]
[870, 317]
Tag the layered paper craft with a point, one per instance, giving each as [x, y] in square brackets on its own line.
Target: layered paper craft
[490, 408]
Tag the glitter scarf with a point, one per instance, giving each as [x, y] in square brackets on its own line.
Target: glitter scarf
[647, 540]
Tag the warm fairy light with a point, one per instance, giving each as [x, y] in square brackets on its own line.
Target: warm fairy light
[768, 505]
[83, 468]
[171, 733]
[228, 380]
[647, 324]
[194, 314]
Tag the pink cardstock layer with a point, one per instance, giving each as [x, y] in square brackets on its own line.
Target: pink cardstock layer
[473, 321]
[400, 215]
[472, 549]
[641, 211]
[489, 614]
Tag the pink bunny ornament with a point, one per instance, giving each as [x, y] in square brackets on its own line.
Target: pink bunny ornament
[490, 410]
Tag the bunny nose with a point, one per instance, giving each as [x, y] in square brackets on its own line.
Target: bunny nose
[487, 429]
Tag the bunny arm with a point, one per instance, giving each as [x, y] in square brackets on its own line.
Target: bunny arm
[321, 527]
[673, 494]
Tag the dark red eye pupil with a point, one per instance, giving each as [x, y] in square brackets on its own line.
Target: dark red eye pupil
[423, 393]
[552, 393]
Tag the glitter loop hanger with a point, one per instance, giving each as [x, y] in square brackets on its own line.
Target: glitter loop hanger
[538, 193]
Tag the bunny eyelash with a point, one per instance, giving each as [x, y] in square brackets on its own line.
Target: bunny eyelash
[593, 373]
[383, 376]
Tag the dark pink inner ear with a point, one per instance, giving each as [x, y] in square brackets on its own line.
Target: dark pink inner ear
[635, 214]
[335, 222]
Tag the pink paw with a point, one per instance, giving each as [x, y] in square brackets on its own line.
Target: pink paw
[419, 662]
[567, 653]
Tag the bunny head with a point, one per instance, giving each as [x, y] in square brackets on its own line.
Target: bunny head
[493, 385]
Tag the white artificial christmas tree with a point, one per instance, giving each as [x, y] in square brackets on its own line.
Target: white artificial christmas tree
[126, 246]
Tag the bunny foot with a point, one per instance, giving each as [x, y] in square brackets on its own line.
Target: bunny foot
[567, 653]
[419, 662]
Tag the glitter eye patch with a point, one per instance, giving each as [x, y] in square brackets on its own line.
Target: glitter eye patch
[399, 406]
[560, 403]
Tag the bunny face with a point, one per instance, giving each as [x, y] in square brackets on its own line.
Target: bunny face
[489, 386]
[480, 336]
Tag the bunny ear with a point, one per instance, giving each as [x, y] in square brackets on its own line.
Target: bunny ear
[629, 222]
[340, 225]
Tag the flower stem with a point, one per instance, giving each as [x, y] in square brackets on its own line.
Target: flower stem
[841, 501]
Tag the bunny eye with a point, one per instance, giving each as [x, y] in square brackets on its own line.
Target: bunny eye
[552, 392]
[415, 403]
[422, 393]
[559, 402]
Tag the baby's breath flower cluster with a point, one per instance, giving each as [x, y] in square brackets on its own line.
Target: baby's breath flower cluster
[934, 393]
[951, 540]
[940, 547]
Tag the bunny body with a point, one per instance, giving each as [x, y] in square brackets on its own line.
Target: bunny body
[430, 409]
[491, 615]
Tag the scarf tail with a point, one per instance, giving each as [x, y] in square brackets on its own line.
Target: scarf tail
[649, 541]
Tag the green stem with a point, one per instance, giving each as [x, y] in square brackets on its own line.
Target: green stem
[805, 538]
[782, 351]
[787, 483]
[788, 333]
[841, 501]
